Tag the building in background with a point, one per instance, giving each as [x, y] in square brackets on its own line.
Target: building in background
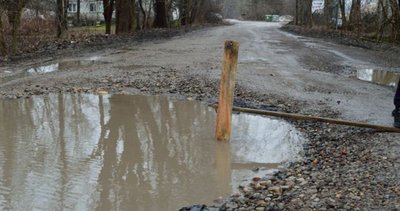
[91, 11]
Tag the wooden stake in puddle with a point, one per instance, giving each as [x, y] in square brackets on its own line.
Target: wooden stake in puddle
[227, 88]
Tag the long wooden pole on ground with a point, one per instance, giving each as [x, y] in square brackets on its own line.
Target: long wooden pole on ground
[317, 119]
[227, 88]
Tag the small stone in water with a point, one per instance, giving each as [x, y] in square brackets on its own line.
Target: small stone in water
[256, 179]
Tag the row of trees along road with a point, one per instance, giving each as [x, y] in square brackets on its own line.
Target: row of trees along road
[130, 15]
[373, 19]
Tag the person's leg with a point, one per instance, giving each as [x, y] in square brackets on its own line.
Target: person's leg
[397, 97]
[396, 112]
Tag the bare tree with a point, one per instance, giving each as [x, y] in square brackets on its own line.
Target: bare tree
[3, 47]
[140, 2]
[304, 13]
[14, 11]
[108, 6]
[342, 7]
[395, 8]
[160, 19]
[329, 6]
[62, 26]
[125, 16]
[355, 16]
[78, 12]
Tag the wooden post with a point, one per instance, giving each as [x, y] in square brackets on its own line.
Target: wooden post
[227, 88]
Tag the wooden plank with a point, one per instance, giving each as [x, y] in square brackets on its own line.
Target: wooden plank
[317, 119]
[227, 88]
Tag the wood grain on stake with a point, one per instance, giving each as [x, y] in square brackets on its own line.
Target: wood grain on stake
[227, 88]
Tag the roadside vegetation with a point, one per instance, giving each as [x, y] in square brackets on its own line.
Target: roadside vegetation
[374, 20]
[26, 25]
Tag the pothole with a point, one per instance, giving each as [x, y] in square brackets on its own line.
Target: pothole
[91, 152]
[64, 65]
[381, 77]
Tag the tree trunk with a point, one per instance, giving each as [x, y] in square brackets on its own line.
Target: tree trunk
[61, 17]
[14, 18]
[3, 48]
[342, 6]
[355, 16]
[160, 19]
[297, 13]
[184, 12]
[328, 12]
[108, 6]
[305, 16]
[143, 13]
[395, 20]
[78, 12]
[124, 16]
[150, 8]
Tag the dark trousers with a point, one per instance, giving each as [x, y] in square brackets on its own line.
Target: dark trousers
[397, 96]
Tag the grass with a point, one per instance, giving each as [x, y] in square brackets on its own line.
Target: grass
[95, 29]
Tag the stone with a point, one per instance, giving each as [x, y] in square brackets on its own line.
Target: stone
[302, 181]
[275, 189]
[261, 203]
[256, 179]
[231, 205]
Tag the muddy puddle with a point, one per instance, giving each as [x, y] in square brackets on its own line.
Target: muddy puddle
[65, 65]
[381, 77]
[52, 67]
[88, 152]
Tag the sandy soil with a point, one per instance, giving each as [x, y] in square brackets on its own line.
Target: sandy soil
[276, 69]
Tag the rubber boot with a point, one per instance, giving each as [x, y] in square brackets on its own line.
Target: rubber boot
[396, 115]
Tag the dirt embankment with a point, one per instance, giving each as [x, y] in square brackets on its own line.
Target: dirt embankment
[342, 37]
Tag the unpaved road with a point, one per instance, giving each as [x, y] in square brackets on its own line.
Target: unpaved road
[343, 168]
[312, 71]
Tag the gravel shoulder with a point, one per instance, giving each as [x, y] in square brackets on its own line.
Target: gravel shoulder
[343, 168]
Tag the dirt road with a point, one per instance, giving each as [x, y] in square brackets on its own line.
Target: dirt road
[342, 168]
[318, 73]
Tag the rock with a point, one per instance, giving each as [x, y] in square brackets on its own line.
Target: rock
[261, 203]
[195, 208]
[257, 186]
[285, 187]
[267, 199]
[236, 195]
[231, 205]
[302, 181]
[256, 179]
[275, 189]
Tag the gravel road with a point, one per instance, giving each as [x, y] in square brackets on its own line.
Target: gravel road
[276, 69]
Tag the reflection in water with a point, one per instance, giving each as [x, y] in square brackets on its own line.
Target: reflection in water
[379, 76]
[86, 152]
[65, 65]
[44, 69]
[251, 131]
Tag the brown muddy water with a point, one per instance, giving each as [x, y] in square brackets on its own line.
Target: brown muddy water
[119, 152]
[381, 77]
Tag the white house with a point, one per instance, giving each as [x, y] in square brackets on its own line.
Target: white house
[90, 10]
